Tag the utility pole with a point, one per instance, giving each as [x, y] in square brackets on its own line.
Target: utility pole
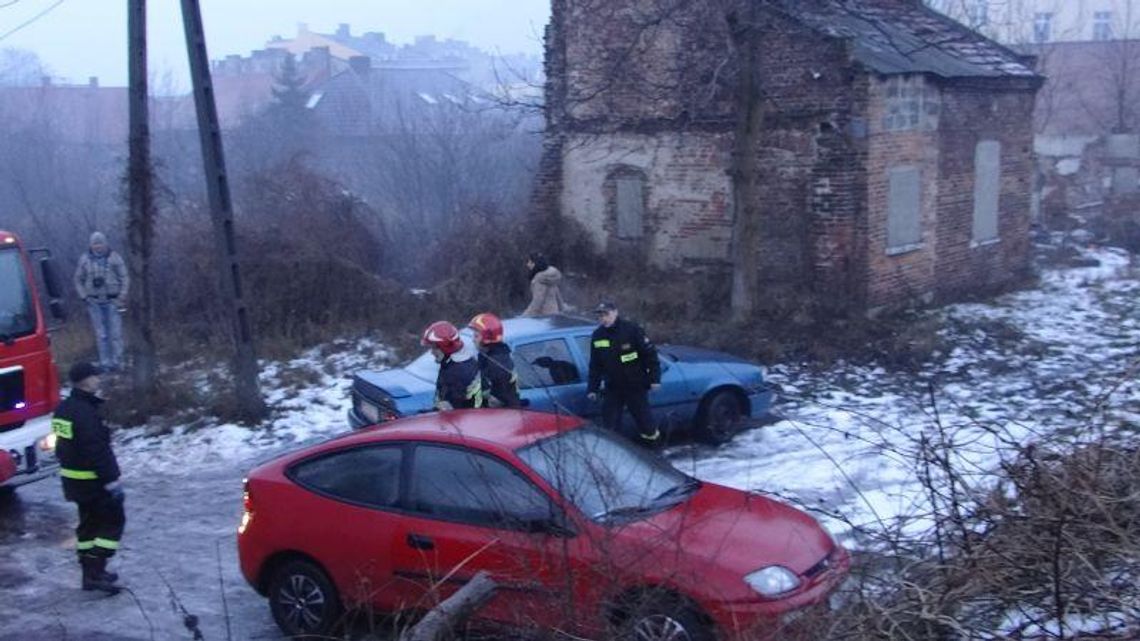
[141, 210]
[250, 404]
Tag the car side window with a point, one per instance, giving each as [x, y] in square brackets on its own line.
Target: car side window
[546, 364]
[584, 344]
[366, 475]
[456, 484]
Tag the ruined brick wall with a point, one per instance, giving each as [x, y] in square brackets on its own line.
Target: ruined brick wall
[809, 167]
[688, 195]
[897, 141]
[632, 96]
[974, 111]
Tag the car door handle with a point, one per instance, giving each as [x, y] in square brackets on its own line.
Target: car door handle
[420, 542]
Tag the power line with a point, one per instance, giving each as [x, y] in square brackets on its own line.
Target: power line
[31, 20]
[9, 3]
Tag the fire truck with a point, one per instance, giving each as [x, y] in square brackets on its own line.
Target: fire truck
[29, 384]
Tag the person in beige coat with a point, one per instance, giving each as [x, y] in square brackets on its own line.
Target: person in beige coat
[545, 295]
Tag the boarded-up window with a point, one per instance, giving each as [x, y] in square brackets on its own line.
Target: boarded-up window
[904, 208]
[987, 189]
[630, 206]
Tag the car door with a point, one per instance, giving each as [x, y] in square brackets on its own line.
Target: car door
[468, 511]
[550, 377]
[358, 490]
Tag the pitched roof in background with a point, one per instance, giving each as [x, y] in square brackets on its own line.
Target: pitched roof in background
[903, 36]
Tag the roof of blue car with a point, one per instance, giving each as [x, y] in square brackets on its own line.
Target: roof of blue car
[524, 327]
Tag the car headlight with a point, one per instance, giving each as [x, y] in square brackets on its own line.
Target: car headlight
[773, 581]
[47, 443]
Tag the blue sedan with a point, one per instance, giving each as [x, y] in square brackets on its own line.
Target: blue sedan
[711, 393]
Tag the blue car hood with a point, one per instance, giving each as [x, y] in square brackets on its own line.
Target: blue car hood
[397, 383]
[685, 354]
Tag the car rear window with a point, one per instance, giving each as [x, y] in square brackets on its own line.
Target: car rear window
[367, 476]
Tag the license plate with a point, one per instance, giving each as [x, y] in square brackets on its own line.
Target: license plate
[370, 411]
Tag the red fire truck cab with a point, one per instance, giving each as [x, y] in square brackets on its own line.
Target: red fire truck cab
[29, 384]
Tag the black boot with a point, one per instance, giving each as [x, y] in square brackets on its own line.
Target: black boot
[95, 575]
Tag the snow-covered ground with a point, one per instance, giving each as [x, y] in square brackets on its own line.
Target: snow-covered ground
[1028, 366]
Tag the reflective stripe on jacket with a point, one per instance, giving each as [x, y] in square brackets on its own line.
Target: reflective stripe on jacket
[622, 357]
[83, 447]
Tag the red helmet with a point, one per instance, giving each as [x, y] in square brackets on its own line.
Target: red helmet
[487, 327]
[443, 336]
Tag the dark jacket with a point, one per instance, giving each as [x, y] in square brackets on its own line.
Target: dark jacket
[459, 384]
[499, 377]
[623, 357]
[83, 446]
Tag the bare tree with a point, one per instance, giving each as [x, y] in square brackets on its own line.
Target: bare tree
[20, 68]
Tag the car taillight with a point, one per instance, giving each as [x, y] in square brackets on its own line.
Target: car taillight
[246, 506]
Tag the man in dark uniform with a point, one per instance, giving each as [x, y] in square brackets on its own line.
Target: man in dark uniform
[90, 477]
[458, 385]
[625, 362]
[500, 381]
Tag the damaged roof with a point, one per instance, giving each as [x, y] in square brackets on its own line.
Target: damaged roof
[903, 36]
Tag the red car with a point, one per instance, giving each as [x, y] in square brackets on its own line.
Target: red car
[583, 532]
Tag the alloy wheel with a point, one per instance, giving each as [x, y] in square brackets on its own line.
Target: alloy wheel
[660, 627]
[302, 603]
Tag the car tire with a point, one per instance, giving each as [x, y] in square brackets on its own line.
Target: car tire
[665, 620]
[303, 600]
[721, 417]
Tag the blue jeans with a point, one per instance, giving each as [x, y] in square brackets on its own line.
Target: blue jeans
[108, 325]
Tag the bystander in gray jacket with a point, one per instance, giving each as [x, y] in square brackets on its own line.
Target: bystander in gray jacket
[102, 280]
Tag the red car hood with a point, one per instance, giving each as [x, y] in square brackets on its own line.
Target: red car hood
[737, 531]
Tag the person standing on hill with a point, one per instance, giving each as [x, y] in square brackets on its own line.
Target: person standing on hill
[545, 292]
[102, 281]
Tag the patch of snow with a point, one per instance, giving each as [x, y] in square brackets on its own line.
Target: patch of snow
[299, 414]
[846, 448]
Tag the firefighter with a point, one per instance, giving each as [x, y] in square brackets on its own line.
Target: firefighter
[623, 368]
[500, 381]
[458, 385]
[90, 475]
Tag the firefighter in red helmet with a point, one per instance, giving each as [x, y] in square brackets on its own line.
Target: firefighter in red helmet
[459, 385]
[500, 381]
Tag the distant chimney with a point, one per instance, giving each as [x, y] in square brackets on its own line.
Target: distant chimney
[360, 64]
[318, 60]
[93, 82]
[344, 30]
[302, 28]
[45, 81]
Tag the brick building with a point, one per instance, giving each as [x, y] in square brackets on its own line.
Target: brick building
[892, 147]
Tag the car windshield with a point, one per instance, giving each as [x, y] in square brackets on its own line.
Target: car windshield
[17, 314]
[424, 365]
[605, 476]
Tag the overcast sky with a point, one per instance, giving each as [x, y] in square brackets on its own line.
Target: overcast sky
[82, 38]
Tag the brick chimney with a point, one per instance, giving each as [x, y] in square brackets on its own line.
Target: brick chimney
[360, 65]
